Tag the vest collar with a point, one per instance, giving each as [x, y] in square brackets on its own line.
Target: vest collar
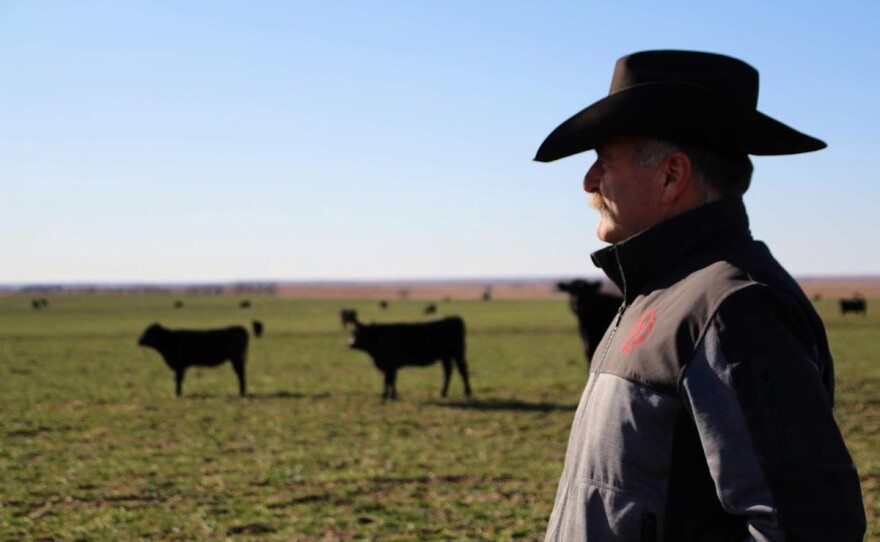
[648, 257]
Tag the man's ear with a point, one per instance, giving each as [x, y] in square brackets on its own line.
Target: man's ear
[678, 185]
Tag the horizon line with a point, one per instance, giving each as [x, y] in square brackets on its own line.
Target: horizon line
[72, 284]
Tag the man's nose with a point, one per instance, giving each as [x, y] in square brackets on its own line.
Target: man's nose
[591, 179]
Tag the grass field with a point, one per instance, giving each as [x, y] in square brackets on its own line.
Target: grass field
[94, 445]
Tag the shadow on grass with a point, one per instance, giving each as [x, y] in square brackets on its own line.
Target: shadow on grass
[260, 396]
[488, 405]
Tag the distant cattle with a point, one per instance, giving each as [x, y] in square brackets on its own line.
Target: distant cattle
[348, 317]
[594, 311]
[257, 327]
[178, 304]
[245, 304]
[39, 303]
[182, 349]
[393, 346]
[431, 308]
[856, 304]
[383, 304]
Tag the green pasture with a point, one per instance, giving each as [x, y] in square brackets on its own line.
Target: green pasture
[95, 446]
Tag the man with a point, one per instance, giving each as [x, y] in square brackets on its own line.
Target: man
[708, 412]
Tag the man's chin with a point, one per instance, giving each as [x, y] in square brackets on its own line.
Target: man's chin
[607, 233]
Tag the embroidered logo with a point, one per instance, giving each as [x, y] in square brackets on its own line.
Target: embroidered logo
[640, 330]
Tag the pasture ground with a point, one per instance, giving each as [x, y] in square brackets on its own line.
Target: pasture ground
[94, 445]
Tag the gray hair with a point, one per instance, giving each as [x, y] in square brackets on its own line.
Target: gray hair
[718, 173]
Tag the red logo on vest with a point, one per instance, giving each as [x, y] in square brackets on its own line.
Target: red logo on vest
[640, 330]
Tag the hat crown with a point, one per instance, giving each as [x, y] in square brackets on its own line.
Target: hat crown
[721, 74]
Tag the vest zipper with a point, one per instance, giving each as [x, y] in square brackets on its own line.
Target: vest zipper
[620, 310]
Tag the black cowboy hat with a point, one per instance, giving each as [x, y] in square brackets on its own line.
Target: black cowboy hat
[686, 96]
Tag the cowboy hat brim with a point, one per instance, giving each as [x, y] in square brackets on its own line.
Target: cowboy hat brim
[680, 112]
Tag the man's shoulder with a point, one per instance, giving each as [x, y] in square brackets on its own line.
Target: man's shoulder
[702, 291]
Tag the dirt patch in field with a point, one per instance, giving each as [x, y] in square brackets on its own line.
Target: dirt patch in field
[827, 287]
[432, 290]
[835, 288]
[426, 290]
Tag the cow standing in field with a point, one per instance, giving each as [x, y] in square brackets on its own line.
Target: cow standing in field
[182, 349]
[856, 304]
[348, 317]
[594, 311]
[393, 346]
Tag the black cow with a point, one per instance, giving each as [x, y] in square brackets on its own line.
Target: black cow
[431, 308]
[347, 317]
[393, 346]
[182, 349]
[258, 328]
[855, 304]
[594, 311]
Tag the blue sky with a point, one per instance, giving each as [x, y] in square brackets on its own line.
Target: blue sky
[159, 140]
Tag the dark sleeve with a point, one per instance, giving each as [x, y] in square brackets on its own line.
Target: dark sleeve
[764, 417]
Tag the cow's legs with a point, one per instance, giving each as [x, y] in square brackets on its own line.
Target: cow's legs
[447, 374]
[390, 391]
[238, 365]
[461, 363]
[178, 381]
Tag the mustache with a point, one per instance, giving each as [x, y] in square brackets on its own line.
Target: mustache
[596, 202]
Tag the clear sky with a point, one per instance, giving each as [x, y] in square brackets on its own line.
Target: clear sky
[172, 140]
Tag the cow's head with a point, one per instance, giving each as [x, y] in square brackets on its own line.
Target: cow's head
[360, 337]
[579, 291]
[579, 287]
[348, 317]
[150, 335]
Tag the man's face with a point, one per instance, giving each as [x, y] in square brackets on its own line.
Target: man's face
[627, 196]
